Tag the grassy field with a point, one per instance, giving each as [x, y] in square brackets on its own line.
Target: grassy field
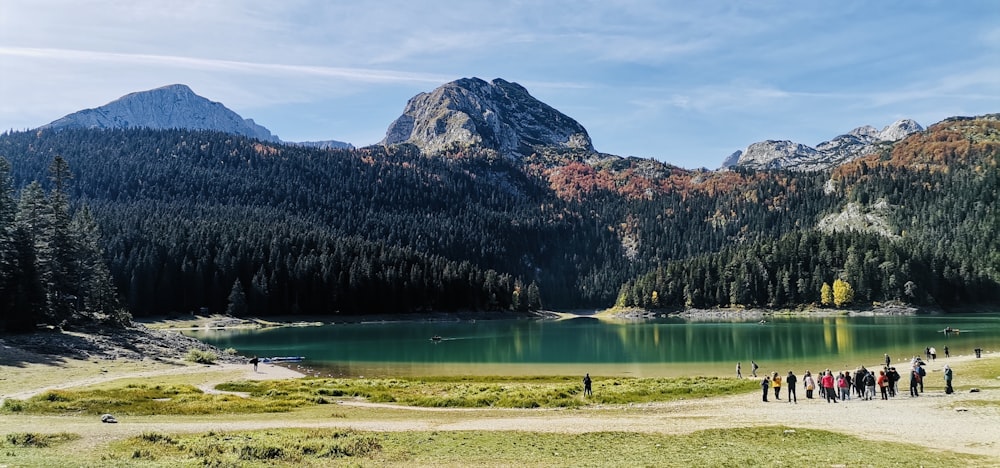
[61, 424]
[737, 447]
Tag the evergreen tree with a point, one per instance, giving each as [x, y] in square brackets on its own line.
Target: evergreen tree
[237, 300]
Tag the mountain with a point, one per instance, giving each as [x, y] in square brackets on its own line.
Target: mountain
[325, 144]
[784, 154]
[173, 106]
[496, 115]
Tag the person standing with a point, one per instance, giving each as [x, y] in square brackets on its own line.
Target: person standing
[776, 385]
[946, 353]
[914, 381]
[923, 373]
[809, 384]
[586, 385]
[893, 377]
[882, 384]
[827, 382]
[869, 380]
[739, 373]
[887, 360]
[753, 368]
[254, 361]
[947, 380]
[790, 381]
[844, 387]
[933, 353]
[764, 384]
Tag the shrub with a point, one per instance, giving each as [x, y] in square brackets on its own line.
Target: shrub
[200, 357]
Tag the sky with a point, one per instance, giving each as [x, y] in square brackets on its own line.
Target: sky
[684, 82]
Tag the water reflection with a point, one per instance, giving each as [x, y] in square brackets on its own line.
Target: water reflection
[660, 347]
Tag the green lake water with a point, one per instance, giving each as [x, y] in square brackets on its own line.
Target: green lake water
[660, 347]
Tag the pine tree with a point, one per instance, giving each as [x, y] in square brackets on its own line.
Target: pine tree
[237, 300]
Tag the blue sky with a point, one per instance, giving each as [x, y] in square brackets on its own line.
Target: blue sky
[681, 81]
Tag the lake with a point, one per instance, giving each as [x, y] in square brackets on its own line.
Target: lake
[651, 348]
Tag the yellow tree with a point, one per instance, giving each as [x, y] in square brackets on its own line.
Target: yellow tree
[843, 293]
[826, 295]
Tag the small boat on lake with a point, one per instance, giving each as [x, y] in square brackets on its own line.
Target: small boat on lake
[948, 330]
[436, 338]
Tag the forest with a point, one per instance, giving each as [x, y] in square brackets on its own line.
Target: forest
[189, 221]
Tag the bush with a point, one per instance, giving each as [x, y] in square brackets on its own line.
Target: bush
[200, 357]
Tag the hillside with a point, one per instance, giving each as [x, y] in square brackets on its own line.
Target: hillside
[507, 207]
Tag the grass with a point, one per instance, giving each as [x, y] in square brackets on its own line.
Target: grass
[287, 447]
[737, 447]
[138, 400]
[36, 440]
[445, 392]
[496, 392]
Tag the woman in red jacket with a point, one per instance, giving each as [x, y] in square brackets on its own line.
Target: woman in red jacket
[827, 382]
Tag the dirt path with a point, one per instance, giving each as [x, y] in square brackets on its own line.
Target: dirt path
[221, 373]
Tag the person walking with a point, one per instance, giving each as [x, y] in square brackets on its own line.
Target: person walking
[753, 368]
[933, 353]
[887, 360]
[776, 385]
[739, 374]
[254, 361]
[586, 385]
[946, 353]
[790, 381]
[764, 384]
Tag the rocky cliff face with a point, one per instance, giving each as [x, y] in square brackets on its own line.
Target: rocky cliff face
[174, 106]
[796, 156]
[498, 115]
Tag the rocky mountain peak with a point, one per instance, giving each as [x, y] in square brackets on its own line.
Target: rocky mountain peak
[172, 106]
[498, 115]
[796, 156]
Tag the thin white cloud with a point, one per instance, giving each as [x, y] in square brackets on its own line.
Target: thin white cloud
[203, 64]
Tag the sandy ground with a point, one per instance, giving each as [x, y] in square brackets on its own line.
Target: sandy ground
[958, 422]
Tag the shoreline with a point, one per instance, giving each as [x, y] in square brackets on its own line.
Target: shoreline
[226, 322]
[723, 314]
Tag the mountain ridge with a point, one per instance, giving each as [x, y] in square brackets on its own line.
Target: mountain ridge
[786, 154]
[174, 106]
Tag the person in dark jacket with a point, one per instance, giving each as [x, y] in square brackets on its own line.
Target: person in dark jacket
[765, 383]
[790, 380]
[914, 381]
[947, 380]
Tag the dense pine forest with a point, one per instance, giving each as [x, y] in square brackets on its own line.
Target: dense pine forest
[178, 221]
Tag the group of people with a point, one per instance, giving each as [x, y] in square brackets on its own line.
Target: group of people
[865, 384]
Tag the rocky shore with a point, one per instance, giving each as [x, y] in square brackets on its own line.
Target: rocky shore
[136, 342]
